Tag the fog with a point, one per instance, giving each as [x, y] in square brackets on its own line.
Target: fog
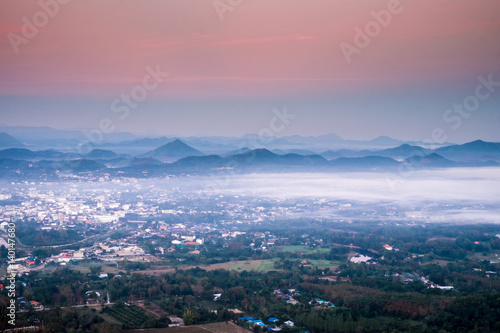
[481, 185]
[468, 195]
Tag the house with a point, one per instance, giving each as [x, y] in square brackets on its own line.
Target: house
[64, 258]
[273, 320]
[217, 297]
[445, 287]
[195, 252]
[388, 247]
[289, 323]
[36, 305]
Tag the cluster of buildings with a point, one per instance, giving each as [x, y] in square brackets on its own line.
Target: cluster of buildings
[271, 326]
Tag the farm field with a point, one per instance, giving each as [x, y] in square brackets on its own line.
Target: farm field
[323, 263]
[302, 249]
[245, 265]
[130, 316]
[207, 328]
[106, 267]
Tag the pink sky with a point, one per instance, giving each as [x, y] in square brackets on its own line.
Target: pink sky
[279, 47]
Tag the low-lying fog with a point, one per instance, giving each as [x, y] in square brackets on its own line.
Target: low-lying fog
[480, 185]
[477, 188]
[441, 195]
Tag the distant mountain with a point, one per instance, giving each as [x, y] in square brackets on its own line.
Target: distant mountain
[17, 154]
[144, 161]
[7, 141]
[144, 142]
[237, 151]
[431, 161]
[184, 159]
[29, 155]
[293, 151]
[101, 154]
[399, 153]
[385, 141]
[172, 151]
[264, 157]
[403, 151]
[331, 154]
[364, 163]
[200, 163]
[43, 133]
[471, 152]
[261, 156]
[7, 164]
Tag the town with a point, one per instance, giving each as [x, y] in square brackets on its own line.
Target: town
[100, 236]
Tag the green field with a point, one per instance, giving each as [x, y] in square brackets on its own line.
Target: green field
[302, 249]
[244, 265]
[130, 316]
[324, 263]
[84, 266]
[249, 265]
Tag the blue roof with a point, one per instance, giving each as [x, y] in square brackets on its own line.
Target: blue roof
[246, 318]
[272, 319]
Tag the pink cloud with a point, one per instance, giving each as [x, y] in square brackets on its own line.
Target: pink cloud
[94, 47]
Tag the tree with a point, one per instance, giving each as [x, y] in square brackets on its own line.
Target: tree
[189, 317]
[95, 269]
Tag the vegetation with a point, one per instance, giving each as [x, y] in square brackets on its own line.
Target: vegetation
[306, 277]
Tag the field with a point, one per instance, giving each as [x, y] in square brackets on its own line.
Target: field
[106, 267]
[130, 316]
[323, 263]
[304, 249]
[215, 328]
[245, 265]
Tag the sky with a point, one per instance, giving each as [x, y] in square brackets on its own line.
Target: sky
[359, 69]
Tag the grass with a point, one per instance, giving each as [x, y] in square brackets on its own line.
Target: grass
[84, 267]
[302, 249]
[243, 265]
[109, 319]
[266, 266]
[324, 263]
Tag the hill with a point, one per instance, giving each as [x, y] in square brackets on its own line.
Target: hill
[472, 151]
[7, 141]
[172, 151]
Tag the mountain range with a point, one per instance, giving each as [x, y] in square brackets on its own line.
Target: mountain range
[43, 138]
[177, 157]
